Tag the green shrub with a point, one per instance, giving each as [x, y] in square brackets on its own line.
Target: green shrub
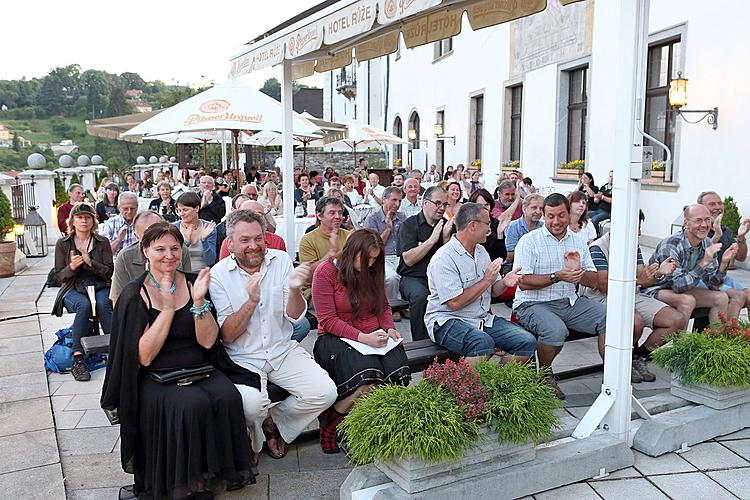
[731, 217]
[6, 216]
[719, 355]
[521, 405]
[74, 179]
[394, 422]
[61, 195]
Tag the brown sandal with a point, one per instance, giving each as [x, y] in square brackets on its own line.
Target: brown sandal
[275, 444]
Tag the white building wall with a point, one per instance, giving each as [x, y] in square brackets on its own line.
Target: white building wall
[538, 124]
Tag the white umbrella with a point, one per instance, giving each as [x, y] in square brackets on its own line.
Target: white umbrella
[358, 134]
[268, 138]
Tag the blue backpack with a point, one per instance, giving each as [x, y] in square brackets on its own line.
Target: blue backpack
[59, 357]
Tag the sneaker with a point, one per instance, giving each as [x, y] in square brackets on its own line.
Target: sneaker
[635, 375]
[80, 371]
[640, 365]
[551, 381]
[397, 316]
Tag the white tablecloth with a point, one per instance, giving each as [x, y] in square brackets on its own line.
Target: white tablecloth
[300, 224]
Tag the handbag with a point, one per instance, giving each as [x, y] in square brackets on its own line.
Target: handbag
[183, 376]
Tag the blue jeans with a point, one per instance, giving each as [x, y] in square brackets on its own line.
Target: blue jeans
[462, 338]
[729, 283]
[301, 329]
[78, 303]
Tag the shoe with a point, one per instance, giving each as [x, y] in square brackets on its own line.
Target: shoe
[405, 313]
[640, 365]
[80, 371]
[551, 381]
[397, 316]
[329, 420]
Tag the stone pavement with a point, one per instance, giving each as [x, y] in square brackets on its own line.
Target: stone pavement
[57, 443]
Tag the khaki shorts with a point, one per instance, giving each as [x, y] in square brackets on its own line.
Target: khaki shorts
[646, 306]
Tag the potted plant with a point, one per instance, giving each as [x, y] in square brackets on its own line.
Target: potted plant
[731, 217]
[511, 166]
[455, 424]
[658, 168]
[572, 168]
[7, 247]
[711, 367]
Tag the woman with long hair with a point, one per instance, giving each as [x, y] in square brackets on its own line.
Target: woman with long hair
[199, 235]
[164, 205]
[271, 199]
[107, 208]
[350, 302]
[83, 258]
[474, 184]
[102, 187]
[455, 195]
[586, 185]
[579, 216]
[178, 438]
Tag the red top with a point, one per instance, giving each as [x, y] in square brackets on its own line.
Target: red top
[360, 187]
[63, 212]
[499, 209]
[334, 311]
[273, 241]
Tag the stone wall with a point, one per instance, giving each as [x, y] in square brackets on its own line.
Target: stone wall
[342, 162]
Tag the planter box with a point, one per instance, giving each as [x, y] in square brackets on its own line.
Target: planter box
[489, 455]
[569, 172]
[718, 398]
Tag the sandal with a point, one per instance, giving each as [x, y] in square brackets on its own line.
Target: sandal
[275, 444]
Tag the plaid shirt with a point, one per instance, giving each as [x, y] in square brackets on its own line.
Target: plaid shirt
[539, 252]
[682, 279]
[111, 229]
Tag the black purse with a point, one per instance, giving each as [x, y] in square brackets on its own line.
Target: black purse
[183, 376]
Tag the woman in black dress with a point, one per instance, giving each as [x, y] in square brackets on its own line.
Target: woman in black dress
[176, 439]
[165, 205]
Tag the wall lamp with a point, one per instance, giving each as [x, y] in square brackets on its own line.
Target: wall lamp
[413, 137]
[678, 99]
[439, 134]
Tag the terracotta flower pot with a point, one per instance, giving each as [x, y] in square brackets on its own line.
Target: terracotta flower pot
[7, 259]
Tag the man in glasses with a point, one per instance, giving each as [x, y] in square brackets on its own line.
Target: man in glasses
[419, 238]
[462, 282]
[698, 260]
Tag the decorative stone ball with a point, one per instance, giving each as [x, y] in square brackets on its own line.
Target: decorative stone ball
[96, 160]
[36, 161]
[153, 159]
[173, 159]
[65, 161]
[141, 160]
[162, 159]
[83, 161]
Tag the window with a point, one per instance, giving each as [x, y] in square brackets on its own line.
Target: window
[516, 100]
[414, 125]
[662, 65]
[577, 101]
[477, 121]
[442, 48]
[440, 144]
[398, 153]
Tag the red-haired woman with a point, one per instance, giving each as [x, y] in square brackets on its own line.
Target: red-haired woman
[350, 302]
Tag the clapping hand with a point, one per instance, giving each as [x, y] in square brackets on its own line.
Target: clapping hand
[207, 230]
[572, 261]
[75, 260]
[744, 227]
[300, 275]
[86, 258]
[570, 276]
[389, 220]
[122, 233]
[167, 296]
[712, 250]
[493, 270]
[333, 239]
[447, 229]
[253, 287]
[718, 232]
[729, 254]
[511, 279]
[667, 266]
[200, 287]
[436, 231]
[502, 226]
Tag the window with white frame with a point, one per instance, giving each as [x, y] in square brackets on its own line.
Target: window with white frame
[442, 48]
[440, 144]
[398, 154]
[516, 111]
[477, 128]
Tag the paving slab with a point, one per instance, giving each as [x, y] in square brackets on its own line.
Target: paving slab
[20, 345]
[93, 418]
[743, 434]
[40, 483]
[73, 388]
[620, 474]
[578, 491]
[740, 447]
[27, 450]
[735, 480]
[257, 491]
[627, 488]
[311, 458]
[95, 494]
[60, 402]
[87, 441]
[102, 470]
[711, 456]
[290, 463]
[18, 364]
[318, 485]
[691, 486]
[670, 463]
[24, 416]
[84, 402]
[25, 386]
[68, 419]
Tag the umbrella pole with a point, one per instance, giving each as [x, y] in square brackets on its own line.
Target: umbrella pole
[304, 155]
[236, 156]
[205, 144]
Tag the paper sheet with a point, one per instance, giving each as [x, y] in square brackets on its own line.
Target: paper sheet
[367, 349]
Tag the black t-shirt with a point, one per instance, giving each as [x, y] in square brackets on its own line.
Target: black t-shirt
[590, 199]
[605, 190]
[415, 230]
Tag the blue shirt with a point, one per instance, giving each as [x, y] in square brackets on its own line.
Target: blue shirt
[515, 230]
[376, 221]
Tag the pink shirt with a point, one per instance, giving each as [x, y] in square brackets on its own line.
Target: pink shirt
[334, 311]
[499, 209]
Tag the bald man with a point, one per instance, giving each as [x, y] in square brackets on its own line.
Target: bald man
[273, 241]
[697, 259]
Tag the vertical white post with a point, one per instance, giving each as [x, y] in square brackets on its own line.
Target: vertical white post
[613, 406]
[290, 234]
[223, 151]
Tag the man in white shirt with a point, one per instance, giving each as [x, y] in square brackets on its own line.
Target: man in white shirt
[374, 191]
[257, 297]
[412, 202]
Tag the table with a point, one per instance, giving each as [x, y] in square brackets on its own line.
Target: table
[300, 224]
[359, 213]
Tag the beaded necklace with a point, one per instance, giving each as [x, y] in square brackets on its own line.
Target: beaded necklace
[157, 285]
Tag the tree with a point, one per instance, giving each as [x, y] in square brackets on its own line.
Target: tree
[272, 88]
[98, 87]
[61, 195]
[133, 81]
[16, 143]
[118, 102]
[59, 89]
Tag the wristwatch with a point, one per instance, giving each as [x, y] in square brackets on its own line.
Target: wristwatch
[553, 278]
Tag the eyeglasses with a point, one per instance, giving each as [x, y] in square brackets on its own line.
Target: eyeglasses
[482, 221]
[438, 205]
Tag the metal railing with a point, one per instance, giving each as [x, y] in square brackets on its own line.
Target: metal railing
[22, 197]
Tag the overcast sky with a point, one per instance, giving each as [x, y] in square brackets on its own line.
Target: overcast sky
[186, 41]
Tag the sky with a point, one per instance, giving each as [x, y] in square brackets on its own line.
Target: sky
[185, 42]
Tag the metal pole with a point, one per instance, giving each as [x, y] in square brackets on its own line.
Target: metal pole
[613, 406]
[223, 151]
[290, 234]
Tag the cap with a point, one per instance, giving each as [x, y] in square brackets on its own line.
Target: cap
[83, 208]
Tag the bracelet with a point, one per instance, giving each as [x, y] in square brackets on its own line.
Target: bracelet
[200, 312]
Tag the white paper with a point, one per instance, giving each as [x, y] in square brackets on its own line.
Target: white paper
[368, 349]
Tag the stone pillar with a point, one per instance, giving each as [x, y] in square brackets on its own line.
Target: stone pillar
[87, 176]
[44, 193]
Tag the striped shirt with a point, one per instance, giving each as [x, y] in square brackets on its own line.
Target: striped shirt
[111, 229]
[539, 252]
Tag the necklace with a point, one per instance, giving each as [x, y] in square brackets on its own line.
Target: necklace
[157, 285]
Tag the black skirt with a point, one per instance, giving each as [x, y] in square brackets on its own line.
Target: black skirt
[349, 369]
[190, 436]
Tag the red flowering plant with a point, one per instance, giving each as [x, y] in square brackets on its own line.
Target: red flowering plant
[463, 382]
